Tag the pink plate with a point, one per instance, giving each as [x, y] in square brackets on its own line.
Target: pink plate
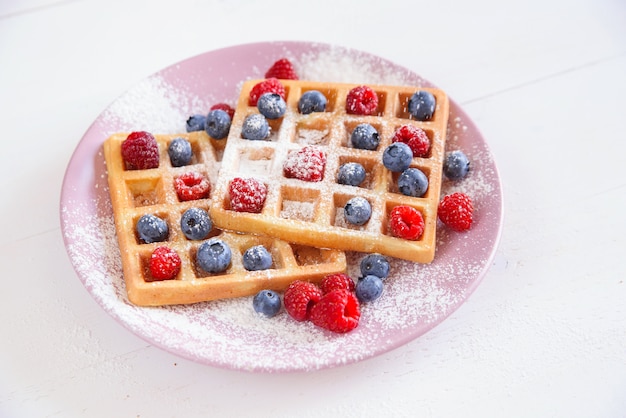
[228, 333]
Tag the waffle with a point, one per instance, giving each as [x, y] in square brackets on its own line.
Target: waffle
[311, 213]
[137, 192]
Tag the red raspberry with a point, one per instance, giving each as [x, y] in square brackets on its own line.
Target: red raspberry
[164, 263]
[337, 311]
[247, 195]
[299, 298]
[406, 222]
[283, 69]
[337, 281]
[306, 164]
[192, 186]
[361, 100]
[270, 85]
[455, 210]
[140, 151]
[225, 107]
[415, 138]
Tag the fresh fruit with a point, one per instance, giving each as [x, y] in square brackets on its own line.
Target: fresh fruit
[361, 100]
[336, 281]
[456, 165]
[397, 157]
[351, 174]
[196, 224]
[192, 186]
[180, 152]
[312, 101]
[413, 182]
[283, 69]
[357, 210]
[271, 105]
[150, 228]
[225, 107]
[306, 164]
[365, 136]
[422, 105]
[270, 85]
[369, 288]
[406, 222]
[299, 298]
[247, 195]
[213, 256]
[217, 124]
[255, 127]
[267, 303]
[337, 311]
[456, 211]
[164, 263]
[196, 123]
[375, 264]
[140, 151]
[257, 258]
[414, 137]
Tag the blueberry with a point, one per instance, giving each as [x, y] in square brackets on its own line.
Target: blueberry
[196, 123]
[151, 228]
[213, 256]
[357, 211]
[196, 223]
[422, 105]
[312, 101]
[257, 258]
[351, 174]
[271, 105]
[397, 157]
[456, 165]
[369, 288]
[365, 136]
[180, 152]
[255, 127]
[375, 265]
[413, 182]
[217, 124]
[267, 302]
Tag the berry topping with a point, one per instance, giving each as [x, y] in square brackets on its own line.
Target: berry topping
[305, 164]
[414, 137]
[337, 311]
[270, 85]
[192, 186]
[266, 303]
[413, 182]
[257, 258]
[196, 224]
[164, 263]
[406, 222]
[180, 152]
[247, 195]
[255, 127]
[272, 106]
[299, 298]
[225, 107]
[375, 265]
[369, 288]
[196, 123]
[357, 211]
[351, 174]
[455, 210]
[336, 281]
[361, 100]
[422, 105]
[283, 69]
[140, 151]
[365, 136]
[213, 256]
[456, 165]
[150, 228]
[397, 157]
[217, 124]
[312, 101]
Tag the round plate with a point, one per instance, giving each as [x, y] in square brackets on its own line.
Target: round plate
[228, 333]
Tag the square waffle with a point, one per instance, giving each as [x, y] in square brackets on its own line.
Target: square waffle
[311, 213]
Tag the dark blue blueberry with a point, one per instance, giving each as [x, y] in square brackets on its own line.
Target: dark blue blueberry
[271, 105]
[312, 101]
[180, 152]
[196, 123]
[397, 157]
[456, 165]
[213, 256]
[151, 228]
[365, 136]
[255, 127]
[217, 124]
[196, 223]
[369, 288]
[257, 258]
[422, 105]
[413, 182]
[267, 303]
[375, 265]
[351, 174]
[357, 211]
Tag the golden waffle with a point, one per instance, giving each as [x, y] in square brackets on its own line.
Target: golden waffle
[137, 192]
[311, 213]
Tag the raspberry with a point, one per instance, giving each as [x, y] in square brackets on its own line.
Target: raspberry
[299, 298]
[140, 151]
[164, 263]
[306, 164]
[361, 100]
[337, 311]
[283, 68]
[337, 281]
[192, 186]
[406, 222]
[270, 85]
[455, 210]
[415, 138]
[247, 195]
[225, 107]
